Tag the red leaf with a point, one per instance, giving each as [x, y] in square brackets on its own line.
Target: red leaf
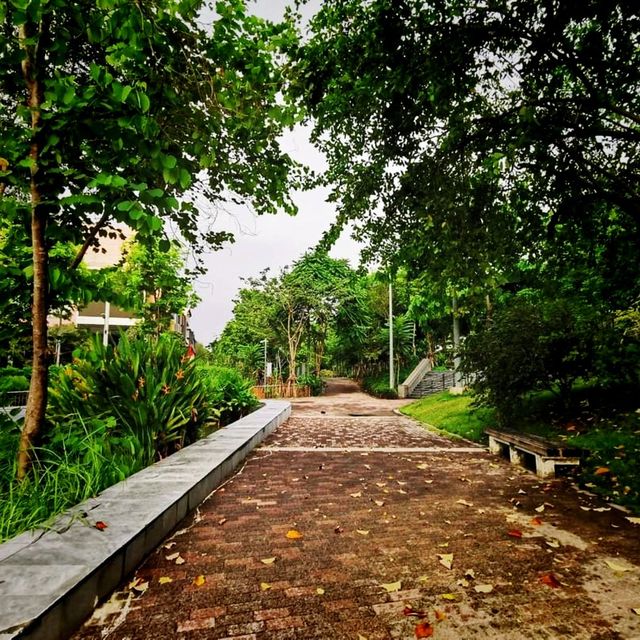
[536, 522]
[424, 630]
[550, 580]
[101, 526]
[410, 611]
[515, 533]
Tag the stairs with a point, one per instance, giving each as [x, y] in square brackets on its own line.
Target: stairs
[432, 382]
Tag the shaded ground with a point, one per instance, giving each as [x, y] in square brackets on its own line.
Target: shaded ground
[380, 501]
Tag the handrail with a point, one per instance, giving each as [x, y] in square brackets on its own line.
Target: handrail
[413, 379]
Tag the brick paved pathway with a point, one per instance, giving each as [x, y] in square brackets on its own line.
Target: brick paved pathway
[378, 500]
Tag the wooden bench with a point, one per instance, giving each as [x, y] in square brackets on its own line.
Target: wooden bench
[546, 453]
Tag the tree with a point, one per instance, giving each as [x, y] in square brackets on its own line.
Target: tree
[153, 284]
[462, 135]
[113, 111]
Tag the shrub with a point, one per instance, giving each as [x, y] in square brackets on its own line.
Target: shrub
[228, 394]
[315, 383]
[14, 379]
[146, 384]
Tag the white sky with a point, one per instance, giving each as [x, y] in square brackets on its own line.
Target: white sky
[265, 241]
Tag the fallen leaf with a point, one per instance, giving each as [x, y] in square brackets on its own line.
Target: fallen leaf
[470, 573]
[267, 560]
[367, 466]
[199, 581]
[424, 630]
[424, 465]
[585, 508]
[423, 579]
[444, 544]
[600, 471]
[222, 521]
[338, 529]
[633, 520]
[358, 494]
[100, 526]
[536, 522]
[440, 615]
[390, 587]
[264, 586]
[465, 503]
[165, 579]
[602, 509]
[636, 611]
[550, 580]
[428, 481]
[139, 585]
[515, 533]
[169, 545]
[381, 484]
[292, 534]
[320, 591]
[540, 509]
[380, 503]
[521, 492]
[463, 583]
[361, 637]
[448, 596]
[410, 611]
[180, 560]
[172, 556]
[554, 544]
[362, 532]
[483, 588]
[446, 559]
[617, 566]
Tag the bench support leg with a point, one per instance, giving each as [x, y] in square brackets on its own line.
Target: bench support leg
[494, 446]
[545, 468]
[515, 457]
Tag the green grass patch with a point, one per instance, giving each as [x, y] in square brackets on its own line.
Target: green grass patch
[453, 414]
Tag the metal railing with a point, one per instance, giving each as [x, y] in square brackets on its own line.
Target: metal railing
[14, 398]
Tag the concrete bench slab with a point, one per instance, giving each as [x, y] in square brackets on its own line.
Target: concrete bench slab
[50, 580]
[548, 454]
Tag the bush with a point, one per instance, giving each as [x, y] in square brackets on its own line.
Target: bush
[228, 394]
[14, 379]
[378, 386]
[315, 384]
[146, 384]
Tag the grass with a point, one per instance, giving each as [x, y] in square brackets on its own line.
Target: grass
[610, 439]
[453, 414]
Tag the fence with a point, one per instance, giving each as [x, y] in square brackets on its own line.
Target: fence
[281, 390]
[14, 398]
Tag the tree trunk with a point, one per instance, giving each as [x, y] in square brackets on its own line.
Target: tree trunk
[37, 401]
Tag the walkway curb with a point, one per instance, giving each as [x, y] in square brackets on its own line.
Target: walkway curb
[50, 581]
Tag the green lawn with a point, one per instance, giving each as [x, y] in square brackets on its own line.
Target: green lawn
[453, 414]
[611, 441]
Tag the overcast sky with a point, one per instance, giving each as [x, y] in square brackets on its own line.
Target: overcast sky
[265, 241]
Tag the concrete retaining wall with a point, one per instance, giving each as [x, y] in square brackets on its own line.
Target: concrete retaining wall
[50, 581]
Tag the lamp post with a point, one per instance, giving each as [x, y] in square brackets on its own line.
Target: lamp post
[264, 376]
[392, 375]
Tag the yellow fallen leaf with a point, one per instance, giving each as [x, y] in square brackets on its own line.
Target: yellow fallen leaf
[358, 494]
[173, 556]
[292, 534]
[470, 573]
[423, 579]
[390, 587]
[320, 591]
[448, 596]
[141, 587]
[264, 586]
[180, 560]
[361, 637]
[554, 544]
[381, 484]
[483, 588]
[362, 532]
[199, 581]
[540, 509]
[465, 503]
[267, 560]
[380, 503]
[463, 582]
[440, 615]
[636, 611]
[633, 520]
[424, 465]
[617, 566]
[446, 559]
[165, 579]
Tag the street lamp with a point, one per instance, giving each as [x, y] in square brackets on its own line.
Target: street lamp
[264, 376]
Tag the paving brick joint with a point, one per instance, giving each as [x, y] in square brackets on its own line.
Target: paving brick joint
[380, 503]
